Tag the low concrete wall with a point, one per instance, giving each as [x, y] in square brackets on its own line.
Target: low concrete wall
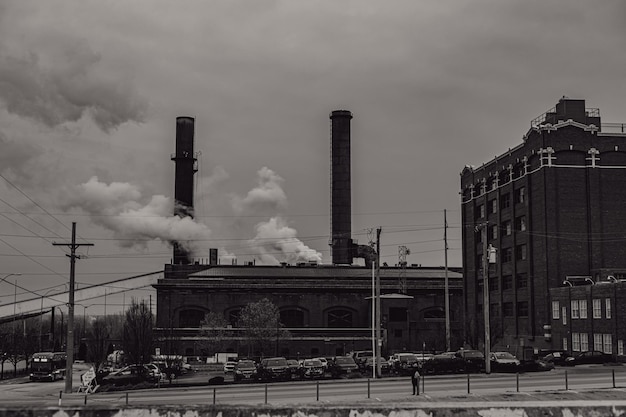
[591, 409]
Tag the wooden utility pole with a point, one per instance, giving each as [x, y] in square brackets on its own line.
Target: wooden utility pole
[446, 284]
[486, 254]
[70, 307]
[379, 342]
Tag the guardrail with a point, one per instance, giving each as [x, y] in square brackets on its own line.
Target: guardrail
[321, 391]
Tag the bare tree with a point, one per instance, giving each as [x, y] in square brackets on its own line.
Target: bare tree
[15, 350]
[5, 341]
[214, 333]
[138, 338]
[263, 329]
[98, 338]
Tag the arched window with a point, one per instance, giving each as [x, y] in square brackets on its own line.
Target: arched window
[292, 317]
[190, 318]
[339, 318]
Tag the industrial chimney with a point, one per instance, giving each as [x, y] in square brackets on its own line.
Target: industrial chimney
[341, 198]
[343, 249]
[186, 167]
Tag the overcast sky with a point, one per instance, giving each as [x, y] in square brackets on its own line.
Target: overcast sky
[90, 92]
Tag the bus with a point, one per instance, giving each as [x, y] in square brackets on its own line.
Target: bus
[48, 366]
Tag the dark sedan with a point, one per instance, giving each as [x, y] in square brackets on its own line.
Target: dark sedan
[130, 375]
[557, 357]
[343, 366]
[447, 362]
[589, 357]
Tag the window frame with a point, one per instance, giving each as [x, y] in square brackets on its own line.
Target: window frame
[575, 312]
[597, 308]
[582, 305]
[584, 342]
[556, 310]
[507, 255]
[520, 223]
[607, 339]
[505, 201]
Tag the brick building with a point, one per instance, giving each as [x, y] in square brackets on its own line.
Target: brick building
[589, 317]
[325, 308]
[552, 207]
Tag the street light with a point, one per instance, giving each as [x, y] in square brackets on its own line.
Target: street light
[9, 275]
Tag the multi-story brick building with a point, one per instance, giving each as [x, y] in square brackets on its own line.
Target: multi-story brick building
[552, 207]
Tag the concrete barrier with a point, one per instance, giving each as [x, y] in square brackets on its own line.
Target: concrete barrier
[471, 409]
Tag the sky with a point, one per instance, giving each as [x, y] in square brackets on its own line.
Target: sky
[90, 92]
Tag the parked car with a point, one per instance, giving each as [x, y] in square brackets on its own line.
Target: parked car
[274, 369]
[404, 363]
[504, 362]
[360, 356]
[229, 367]
[384, 365]
[536, 365]
[343, 366]
[423, 357]
[311, 369]
[156, 371]
[588, 357]
[324, 362]
[446, 362]
[557, 357]
[130, 375]
[474, 360]
[294, 367]
[245, 370]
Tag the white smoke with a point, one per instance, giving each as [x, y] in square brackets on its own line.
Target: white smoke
[116, 207]
[267, 196]
[275, 241]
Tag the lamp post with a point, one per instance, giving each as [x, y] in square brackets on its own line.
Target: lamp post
[9, 275]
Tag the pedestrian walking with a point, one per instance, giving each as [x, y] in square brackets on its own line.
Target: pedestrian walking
[415, 380]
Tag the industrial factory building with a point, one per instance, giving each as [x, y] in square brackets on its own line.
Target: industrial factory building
[552, 211]
[327, 309]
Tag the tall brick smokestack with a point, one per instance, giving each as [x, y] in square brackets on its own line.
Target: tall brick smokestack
[341, 194]
[183, 181]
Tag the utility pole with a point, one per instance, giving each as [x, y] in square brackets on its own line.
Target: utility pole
[379, 342]
[447, 288]
[70, 307]
[488, 258]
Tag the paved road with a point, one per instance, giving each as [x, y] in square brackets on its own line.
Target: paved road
[577, 380]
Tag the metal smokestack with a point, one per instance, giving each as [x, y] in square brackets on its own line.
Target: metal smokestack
[341, 194]
[186, 167]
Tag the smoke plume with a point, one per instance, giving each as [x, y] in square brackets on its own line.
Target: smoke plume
[275, 241]
[267, 197]
[116, 207]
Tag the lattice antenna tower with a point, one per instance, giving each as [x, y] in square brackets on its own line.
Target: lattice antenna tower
[403, 251]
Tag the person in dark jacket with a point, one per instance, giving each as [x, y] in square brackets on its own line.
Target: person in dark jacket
[415, 380]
